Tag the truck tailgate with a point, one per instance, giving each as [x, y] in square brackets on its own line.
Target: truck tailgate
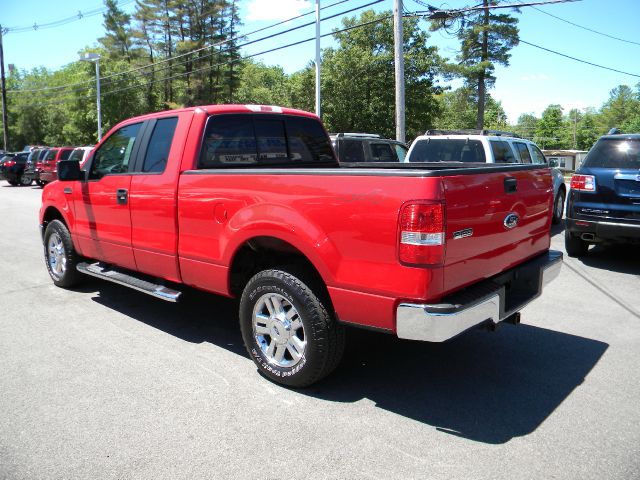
[494, 221]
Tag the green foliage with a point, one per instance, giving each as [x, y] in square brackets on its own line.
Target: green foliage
[550, 127]
[458, 111]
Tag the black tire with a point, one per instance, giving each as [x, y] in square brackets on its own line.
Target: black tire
[60, 256]
[12, 183]
[558, 207]
[575, 246]
[25, 180]
[40, 183]
[323, 337]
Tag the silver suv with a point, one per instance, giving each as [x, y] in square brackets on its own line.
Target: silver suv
[485, 146]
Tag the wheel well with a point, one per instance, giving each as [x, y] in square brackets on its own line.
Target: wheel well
[562, 188]
[262, 253]
[50, 214]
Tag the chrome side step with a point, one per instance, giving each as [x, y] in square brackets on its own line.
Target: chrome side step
[100, 270]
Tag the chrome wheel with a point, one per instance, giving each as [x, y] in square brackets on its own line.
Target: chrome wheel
[559, 206]
[278, 330]
[56, 254]
[25, 180]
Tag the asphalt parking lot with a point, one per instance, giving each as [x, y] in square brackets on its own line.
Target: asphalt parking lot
[104, 382]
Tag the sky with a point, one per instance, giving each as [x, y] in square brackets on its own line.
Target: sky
[534, 79]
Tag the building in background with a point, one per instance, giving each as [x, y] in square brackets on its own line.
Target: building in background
[567, 160]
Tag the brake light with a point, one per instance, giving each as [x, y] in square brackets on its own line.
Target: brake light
[421, 234]
[583, 183]
[9, 163]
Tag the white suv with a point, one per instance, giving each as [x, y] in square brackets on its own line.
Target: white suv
[484, 146]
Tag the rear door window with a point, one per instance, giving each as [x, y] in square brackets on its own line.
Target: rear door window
[401, 152]
[76, 155]
[51, 154]
[502, 152]
[523, 152]
[614, 153]
[381, 152]
[157, 154]
[352, 151]
[65, 154]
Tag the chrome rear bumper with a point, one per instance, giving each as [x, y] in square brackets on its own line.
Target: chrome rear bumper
[489, 302]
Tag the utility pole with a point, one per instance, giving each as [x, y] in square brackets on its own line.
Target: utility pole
[398, 54]
[318, 110]
[5, 127]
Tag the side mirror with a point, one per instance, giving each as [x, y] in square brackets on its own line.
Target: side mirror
[553, 163]
[69, 170]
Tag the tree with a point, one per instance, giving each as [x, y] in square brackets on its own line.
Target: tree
[358, 78]
[586, 131]
[526, 126]
[458, 111]
[550, 127]
[486, 39]
[622, 106]
[118, 37]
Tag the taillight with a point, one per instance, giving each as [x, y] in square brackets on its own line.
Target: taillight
[583, 183]
[9, 163]
[421, 232]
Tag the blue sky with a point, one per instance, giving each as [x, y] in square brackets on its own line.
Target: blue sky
[533, 80]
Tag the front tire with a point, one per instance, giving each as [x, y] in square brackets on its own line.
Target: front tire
[575, 246]
[288, 328]
[60, 256]
[558, 207]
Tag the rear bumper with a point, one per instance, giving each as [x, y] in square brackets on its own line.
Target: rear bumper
[604, 230]
[488, 300]
[48, 177]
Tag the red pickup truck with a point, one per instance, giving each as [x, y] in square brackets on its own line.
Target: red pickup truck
[250, 202]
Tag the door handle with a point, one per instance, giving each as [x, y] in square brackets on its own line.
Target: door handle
[510, 185]
[121, 195]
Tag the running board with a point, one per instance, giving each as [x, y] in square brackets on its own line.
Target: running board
[100, 270]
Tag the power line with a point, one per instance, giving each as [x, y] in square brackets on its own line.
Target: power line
[578, 59]
[209, 67]
[586, 28]
[218, 44]
[63, 21]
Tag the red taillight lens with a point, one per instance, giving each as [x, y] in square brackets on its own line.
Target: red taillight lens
[9, 163]
[583, 183]
[421, 234]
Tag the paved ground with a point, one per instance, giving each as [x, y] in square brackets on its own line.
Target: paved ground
[104, 382]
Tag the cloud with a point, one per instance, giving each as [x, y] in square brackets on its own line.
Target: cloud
[276, 9]
[534, 77]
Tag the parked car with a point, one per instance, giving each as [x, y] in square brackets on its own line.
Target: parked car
[81, 154]
[49, 171]
[604, 199]
[12, 169]
[251, 202]
[34, 164]
[367, 147]
[490, 146]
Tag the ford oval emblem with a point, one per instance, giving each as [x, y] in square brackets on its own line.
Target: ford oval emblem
[511, 220]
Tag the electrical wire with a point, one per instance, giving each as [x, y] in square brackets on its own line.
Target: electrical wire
[586, 28]
[352, 27]
[64, 21]
[218, 44]
[578, 59]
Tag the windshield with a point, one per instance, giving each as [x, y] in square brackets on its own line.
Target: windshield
[614, 153]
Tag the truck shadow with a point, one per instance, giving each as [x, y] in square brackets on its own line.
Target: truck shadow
[485, 387]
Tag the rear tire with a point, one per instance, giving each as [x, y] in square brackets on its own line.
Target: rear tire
[40, 183]
[558, 207]
[288, 329]
[12, 183]
[575, 246]
[25, 180]
[60, 256]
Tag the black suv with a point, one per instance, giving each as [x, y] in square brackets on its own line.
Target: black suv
[12, 168]
[604, 201]
[367, 147]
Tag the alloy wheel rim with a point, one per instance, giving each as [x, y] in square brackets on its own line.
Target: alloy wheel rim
[56, 255]
[278, 330]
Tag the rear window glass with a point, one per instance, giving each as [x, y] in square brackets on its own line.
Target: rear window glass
[448, 150]
[65, 154]
[250, 140]
[614, 153]
[523, 151]
[502, 152]
[51, 154]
